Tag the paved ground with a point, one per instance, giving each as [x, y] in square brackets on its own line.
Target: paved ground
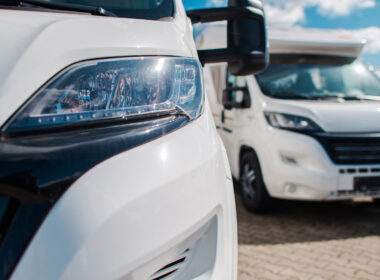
[339, 240]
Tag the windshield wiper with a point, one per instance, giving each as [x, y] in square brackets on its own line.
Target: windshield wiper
[373, 98]
[288, 95]
[324, 97]
[344, 97]
[94, 10]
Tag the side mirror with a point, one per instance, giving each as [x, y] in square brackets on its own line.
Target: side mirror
[236, 97]
[246, 51]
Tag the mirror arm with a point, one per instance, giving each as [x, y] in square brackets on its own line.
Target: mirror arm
[236, 88]
[225, 55]
[228, 13]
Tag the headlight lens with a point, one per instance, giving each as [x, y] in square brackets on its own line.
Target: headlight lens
[112, 89]
[291, 122]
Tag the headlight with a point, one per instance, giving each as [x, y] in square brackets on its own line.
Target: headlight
[115, 89]
[291, 122]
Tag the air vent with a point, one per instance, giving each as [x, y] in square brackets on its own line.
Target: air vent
[171, 269]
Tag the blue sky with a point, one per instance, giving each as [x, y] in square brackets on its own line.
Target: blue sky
[359, 17]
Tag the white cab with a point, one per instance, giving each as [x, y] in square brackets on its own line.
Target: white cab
[161, 210]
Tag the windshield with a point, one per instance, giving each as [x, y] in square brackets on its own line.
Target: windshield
[319, 81]
[144, 9]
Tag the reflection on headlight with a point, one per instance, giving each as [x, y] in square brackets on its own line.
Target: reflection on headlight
[108, 89]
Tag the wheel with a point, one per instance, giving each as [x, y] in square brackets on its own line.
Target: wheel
[252, 188]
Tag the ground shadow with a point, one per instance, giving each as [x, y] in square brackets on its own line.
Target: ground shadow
[292, 221]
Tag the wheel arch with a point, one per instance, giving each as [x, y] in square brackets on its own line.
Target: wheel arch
[243, 150]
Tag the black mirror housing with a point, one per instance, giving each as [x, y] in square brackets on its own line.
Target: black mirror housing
[246, 51]
[229, 103]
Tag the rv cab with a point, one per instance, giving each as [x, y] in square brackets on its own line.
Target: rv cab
[110, 163]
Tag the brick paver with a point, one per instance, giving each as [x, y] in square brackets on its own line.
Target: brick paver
[310, 241]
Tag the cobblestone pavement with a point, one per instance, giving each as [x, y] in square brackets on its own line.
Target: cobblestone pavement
[298, 240]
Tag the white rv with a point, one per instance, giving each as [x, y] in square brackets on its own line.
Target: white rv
[308, 127]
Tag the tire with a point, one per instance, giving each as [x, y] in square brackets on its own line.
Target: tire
[252, 188]
[376, 202]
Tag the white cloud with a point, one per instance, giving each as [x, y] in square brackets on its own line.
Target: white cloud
[291, 12]
[342, 7]
[371, 35]
[216, 3]
[285, 16]
[367, 4]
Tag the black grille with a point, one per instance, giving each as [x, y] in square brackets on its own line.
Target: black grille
[352, 150]
[367, 184]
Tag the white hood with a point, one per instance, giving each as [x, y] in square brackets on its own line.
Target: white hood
[37, 45]
[334, 117]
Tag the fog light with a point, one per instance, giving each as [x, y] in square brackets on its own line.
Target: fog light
[289, 160]
[290, 188]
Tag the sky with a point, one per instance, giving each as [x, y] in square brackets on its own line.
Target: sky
[361, 18]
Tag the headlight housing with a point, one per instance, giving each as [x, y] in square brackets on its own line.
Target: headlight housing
[291, 122]
[114, 89]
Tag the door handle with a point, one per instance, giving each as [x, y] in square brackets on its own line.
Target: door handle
[223, 116]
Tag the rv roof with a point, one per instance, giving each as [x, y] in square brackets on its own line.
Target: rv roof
[295, 41]
[377, 71]
[314, 41]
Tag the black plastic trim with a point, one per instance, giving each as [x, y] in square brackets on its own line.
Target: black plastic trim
[228, 13]
[328, 140]
[227, 130]
[35, 171]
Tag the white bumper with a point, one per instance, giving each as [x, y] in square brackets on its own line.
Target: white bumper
[296, 166]
[132, 215]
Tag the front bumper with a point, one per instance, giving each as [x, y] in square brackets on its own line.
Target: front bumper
[296, 166]
[136, 214]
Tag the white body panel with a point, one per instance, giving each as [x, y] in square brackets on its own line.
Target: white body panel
[332, 116]
[314, 176]
[136, 212]
[130, 212]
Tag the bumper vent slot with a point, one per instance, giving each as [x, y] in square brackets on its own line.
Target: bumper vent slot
[171, 269]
